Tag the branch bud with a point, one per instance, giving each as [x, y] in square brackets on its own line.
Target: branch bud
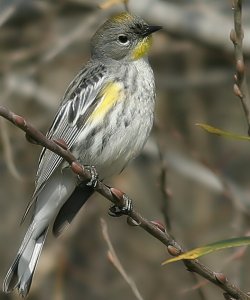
[159, 225]
[61, 143]
[233, 36]
[77, 168]
[19, 121]
[173, 250]
[240, 67]
[220, 277]
[237, 91]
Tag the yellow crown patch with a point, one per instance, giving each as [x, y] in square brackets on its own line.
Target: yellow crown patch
[122, 17]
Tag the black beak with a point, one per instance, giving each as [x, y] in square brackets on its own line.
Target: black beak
[150, 29]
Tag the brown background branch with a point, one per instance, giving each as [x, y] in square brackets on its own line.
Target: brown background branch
[240, 86]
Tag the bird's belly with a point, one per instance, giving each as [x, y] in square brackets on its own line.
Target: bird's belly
[110, 152]
[121, 148]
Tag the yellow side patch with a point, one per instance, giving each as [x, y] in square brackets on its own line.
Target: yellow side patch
[109, 95]
[142, 48]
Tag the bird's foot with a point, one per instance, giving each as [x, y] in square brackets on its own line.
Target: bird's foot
[94, 176]
[116, 211]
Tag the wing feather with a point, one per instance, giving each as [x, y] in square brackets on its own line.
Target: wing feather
[77, 104]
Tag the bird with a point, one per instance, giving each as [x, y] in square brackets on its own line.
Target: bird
[105, 118]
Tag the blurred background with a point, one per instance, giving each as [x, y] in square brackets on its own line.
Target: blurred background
[195, 182]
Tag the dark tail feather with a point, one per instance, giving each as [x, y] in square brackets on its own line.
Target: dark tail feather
[22, 270]
[71, 207]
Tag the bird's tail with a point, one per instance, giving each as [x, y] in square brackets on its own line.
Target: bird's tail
[22, 269]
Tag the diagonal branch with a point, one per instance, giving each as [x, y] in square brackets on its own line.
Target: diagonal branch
[117, 197]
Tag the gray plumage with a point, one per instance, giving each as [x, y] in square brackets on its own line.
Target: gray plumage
[118, 83]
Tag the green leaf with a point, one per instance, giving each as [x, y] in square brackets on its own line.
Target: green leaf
[197, 252]
[223, 133]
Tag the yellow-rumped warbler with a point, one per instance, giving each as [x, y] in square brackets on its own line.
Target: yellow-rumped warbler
[105, 119]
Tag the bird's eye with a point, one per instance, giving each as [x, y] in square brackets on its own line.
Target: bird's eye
[123, 39]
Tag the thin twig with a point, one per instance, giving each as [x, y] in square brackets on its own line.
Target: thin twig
[117, 197]
[166, 197]
[82, 29]
[59, 282]
[7, 13]
[116, 262]
[7, 151]
[240, 86]
[166, 194]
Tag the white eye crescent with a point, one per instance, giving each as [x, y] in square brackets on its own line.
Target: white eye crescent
[123, 39]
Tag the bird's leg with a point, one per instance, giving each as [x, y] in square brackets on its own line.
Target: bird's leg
[117, 211]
